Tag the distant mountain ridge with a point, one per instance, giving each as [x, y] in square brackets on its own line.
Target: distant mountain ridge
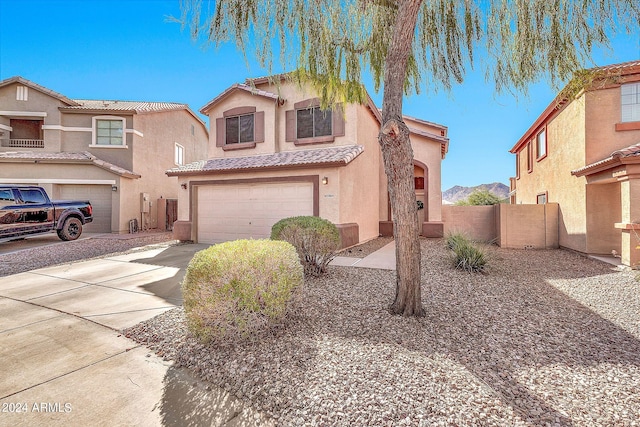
[457, 192]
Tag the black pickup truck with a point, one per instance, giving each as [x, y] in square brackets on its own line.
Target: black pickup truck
[26, 210]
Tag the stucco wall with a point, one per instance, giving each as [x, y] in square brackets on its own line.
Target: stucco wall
[476, 222]
[603, 211]
[552, 175]
[602, 113]
[37, 102]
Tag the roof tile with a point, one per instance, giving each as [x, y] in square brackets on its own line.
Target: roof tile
[333, 155]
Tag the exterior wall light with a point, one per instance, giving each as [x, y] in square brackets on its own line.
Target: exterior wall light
[325, 180]
[114, 187]
[183, 185]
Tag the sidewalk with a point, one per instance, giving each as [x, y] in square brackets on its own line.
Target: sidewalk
[384, 258]
[64, 361]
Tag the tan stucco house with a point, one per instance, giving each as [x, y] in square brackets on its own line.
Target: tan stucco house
[584, 154]
[113, 153]
[273, 153]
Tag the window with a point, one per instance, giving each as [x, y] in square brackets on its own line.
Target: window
[6, 198]
[541, 144]
[109, 132]
[22, 93]
[419, 182]
[239, 129]
[630, 98]
[179, 155]
[541, 199]
[193, 130]
[32, 196]
[530, 157]
[517, 165]
[313, 122]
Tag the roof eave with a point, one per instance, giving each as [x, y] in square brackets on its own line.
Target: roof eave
[339, 163]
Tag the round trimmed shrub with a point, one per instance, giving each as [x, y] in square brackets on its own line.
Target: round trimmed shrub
[316, 240]
[235, 288]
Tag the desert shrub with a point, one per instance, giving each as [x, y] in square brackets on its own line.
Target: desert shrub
[467, 255]
[454, 239]
[480, 198]
[236, 288]
[316, 240]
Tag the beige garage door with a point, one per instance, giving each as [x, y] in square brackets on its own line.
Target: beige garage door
[100, 198]
[230, 212]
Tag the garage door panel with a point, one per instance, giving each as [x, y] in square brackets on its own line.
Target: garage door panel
[100, 198]
[230, 212]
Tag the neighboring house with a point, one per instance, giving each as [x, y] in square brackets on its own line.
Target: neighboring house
[584, 154]
[113, 153]
[274, 153]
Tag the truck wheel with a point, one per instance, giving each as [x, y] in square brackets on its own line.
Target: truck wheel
[71, 229]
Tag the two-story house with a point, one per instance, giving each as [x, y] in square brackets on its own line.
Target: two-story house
[584, 154]
[113, 153]
[274, 153]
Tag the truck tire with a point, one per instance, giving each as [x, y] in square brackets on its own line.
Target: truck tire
[71, 229]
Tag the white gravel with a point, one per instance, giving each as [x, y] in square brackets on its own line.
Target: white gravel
[543, 338]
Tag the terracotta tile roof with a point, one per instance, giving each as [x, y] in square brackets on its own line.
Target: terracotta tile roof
[339, 156]
[78, 157]
[239, 86]
[120, 106]
[631, 151]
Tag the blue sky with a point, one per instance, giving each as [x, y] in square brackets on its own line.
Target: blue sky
[127, 50]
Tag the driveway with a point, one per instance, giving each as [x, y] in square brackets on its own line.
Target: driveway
[64, 361]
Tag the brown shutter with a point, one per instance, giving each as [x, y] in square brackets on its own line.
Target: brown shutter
[338, 120]
[290, 118]
[258, 126]
[220, 132]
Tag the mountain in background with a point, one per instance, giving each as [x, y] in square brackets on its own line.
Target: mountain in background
[457, 193]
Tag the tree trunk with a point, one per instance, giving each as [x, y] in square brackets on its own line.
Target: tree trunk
[398, 164]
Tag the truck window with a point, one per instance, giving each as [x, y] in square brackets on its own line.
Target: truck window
[32, 196]
[6, 198]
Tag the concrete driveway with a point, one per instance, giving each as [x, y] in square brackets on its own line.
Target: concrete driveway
[63, 360]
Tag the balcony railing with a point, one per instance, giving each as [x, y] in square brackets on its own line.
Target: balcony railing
[23, 143]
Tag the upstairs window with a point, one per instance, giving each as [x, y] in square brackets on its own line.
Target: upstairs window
[179, 155]
[239, 129]
[308, 124]
[313, 122]
[630, 98]
[108, 132]
[541, 144]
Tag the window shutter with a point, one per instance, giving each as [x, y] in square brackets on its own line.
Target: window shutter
[290, 118]
[258, 126]
[220, 134]
[338, 120]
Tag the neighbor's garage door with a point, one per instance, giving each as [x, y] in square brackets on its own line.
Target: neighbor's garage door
[238, 211]
[100, 198]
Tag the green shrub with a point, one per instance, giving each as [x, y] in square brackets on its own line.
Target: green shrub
[235, 288]
[454, 239]
[316, 240]
[466, 255]
[480, 198]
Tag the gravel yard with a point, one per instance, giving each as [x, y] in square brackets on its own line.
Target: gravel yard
[544, 338]
[65, 252]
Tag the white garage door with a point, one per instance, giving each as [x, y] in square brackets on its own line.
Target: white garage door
[230, 212]
[100, 198]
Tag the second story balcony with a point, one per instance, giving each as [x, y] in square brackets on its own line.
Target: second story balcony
[22, 143]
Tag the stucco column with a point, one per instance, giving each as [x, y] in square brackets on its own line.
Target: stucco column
[630, 225]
